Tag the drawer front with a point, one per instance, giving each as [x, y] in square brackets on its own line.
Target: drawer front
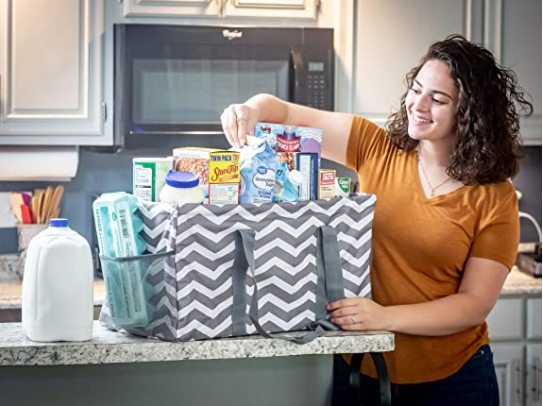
[505, 321]
[533, 318]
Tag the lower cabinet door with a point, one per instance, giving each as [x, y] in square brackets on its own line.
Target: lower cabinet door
[533, 375]
[509, 362]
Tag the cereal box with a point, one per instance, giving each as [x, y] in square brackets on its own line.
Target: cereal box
[327, 184]
[224, 177]
[195, 160]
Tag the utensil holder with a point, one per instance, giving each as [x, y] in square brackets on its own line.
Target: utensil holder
[25, 233]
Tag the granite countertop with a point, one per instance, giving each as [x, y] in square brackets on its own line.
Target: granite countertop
[108, 347]
[519, 283]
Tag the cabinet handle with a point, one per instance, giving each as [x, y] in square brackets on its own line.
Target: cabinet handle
[536, 388]
[220, 3]
[517, 379]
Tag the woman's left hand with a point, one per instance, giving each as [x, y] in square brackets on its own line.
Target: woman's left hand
[358, 313]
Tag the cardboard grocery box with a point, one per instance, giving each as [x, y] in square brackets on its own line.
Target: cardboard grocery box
[289, 139]
[224, 177]
[213, 167]
[327, 184]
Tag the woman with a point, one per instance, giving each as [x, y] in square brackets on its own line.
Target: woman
[446, 226]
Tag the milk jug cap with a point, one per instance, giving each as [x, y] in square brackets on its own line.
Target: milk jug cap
[182, 180]
[58, 223]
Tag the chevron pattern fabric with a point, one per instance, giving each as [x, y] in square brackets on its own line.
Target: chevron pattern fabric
[190, 293]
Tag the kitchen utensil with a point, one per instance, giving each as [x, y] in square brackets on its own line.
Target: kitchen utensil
[16, 201]
[34, 206]
[26, 215]
[26, 198]
[48, 195]
[39, 205]
[55, 201]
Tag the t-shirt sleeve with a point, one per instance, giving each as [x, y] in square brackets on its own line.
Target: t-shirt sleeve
[366, 141]
[499, 232]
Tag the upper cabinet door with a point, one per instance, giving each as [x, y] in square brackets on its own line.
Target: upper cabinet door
[521, 50]
[51, 71]
[171, 8]
[297, 9]
[391, 37]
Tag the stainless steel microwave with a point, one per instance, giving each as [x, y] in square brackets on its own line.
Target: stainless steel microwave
[178, 79]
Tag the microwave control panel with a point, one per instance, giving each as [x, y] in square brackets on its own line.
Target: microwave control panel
[317, 86]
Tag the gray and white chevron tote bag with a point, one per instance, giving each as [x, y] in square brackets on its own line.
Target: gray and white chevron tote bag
[229, 270]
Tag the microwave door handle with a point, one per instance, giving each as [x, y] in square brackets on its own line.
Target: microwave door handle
[298, 82]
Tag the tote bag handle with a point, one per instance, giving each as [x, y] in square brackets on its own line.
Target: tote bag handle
[329, 284]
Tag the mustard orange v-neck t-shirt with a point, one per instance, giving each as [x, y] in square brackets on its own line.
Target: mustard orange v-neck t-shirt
[421, 245]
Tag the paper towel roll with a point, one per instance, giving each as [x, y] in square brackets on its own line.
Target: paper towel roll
[38, 163]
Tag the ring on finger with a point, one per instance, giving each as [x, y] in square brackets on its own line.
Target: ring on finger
[353, 319]
[238, 119]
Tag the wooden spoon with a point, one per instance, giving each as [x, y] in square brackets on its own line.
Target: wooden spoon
[38, 191]
[42, 202]
[54, 208]
[35, 206]
[16, 201]
[46, 204]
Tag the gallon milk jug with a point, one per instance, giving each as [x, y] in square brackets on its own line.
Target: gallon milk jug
[58, 286]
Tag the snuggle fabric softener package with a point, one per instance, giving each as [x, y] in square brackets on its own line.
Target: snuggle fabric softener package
[258, 170]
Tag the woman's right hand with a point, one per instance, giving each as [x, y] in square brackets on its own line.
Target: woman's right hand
[238, 120]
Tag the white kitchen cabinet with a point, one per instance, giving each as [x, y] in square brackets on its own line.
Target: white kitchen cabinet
[533, 375]
[295, 9]
[508, 359]
[391, 37]
[51, 72]
[506, 321]
[511, 29]
[533, 313]
[520, 48]
[514, 327]
[171, 8]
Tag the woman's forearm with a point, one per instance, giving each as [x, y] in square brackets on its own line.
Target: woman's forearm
[269, 108]
[444, 316]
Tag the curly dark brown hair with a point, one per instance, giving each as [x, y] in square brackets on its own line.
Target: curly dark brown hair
[487, 146]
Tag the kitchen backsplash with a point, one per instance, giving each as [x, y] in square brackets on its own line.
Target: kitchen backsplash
[102, 172]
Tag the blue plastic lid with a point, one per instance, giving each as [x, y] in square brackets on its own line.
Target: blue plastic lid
[182, 180]
[58, 223]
